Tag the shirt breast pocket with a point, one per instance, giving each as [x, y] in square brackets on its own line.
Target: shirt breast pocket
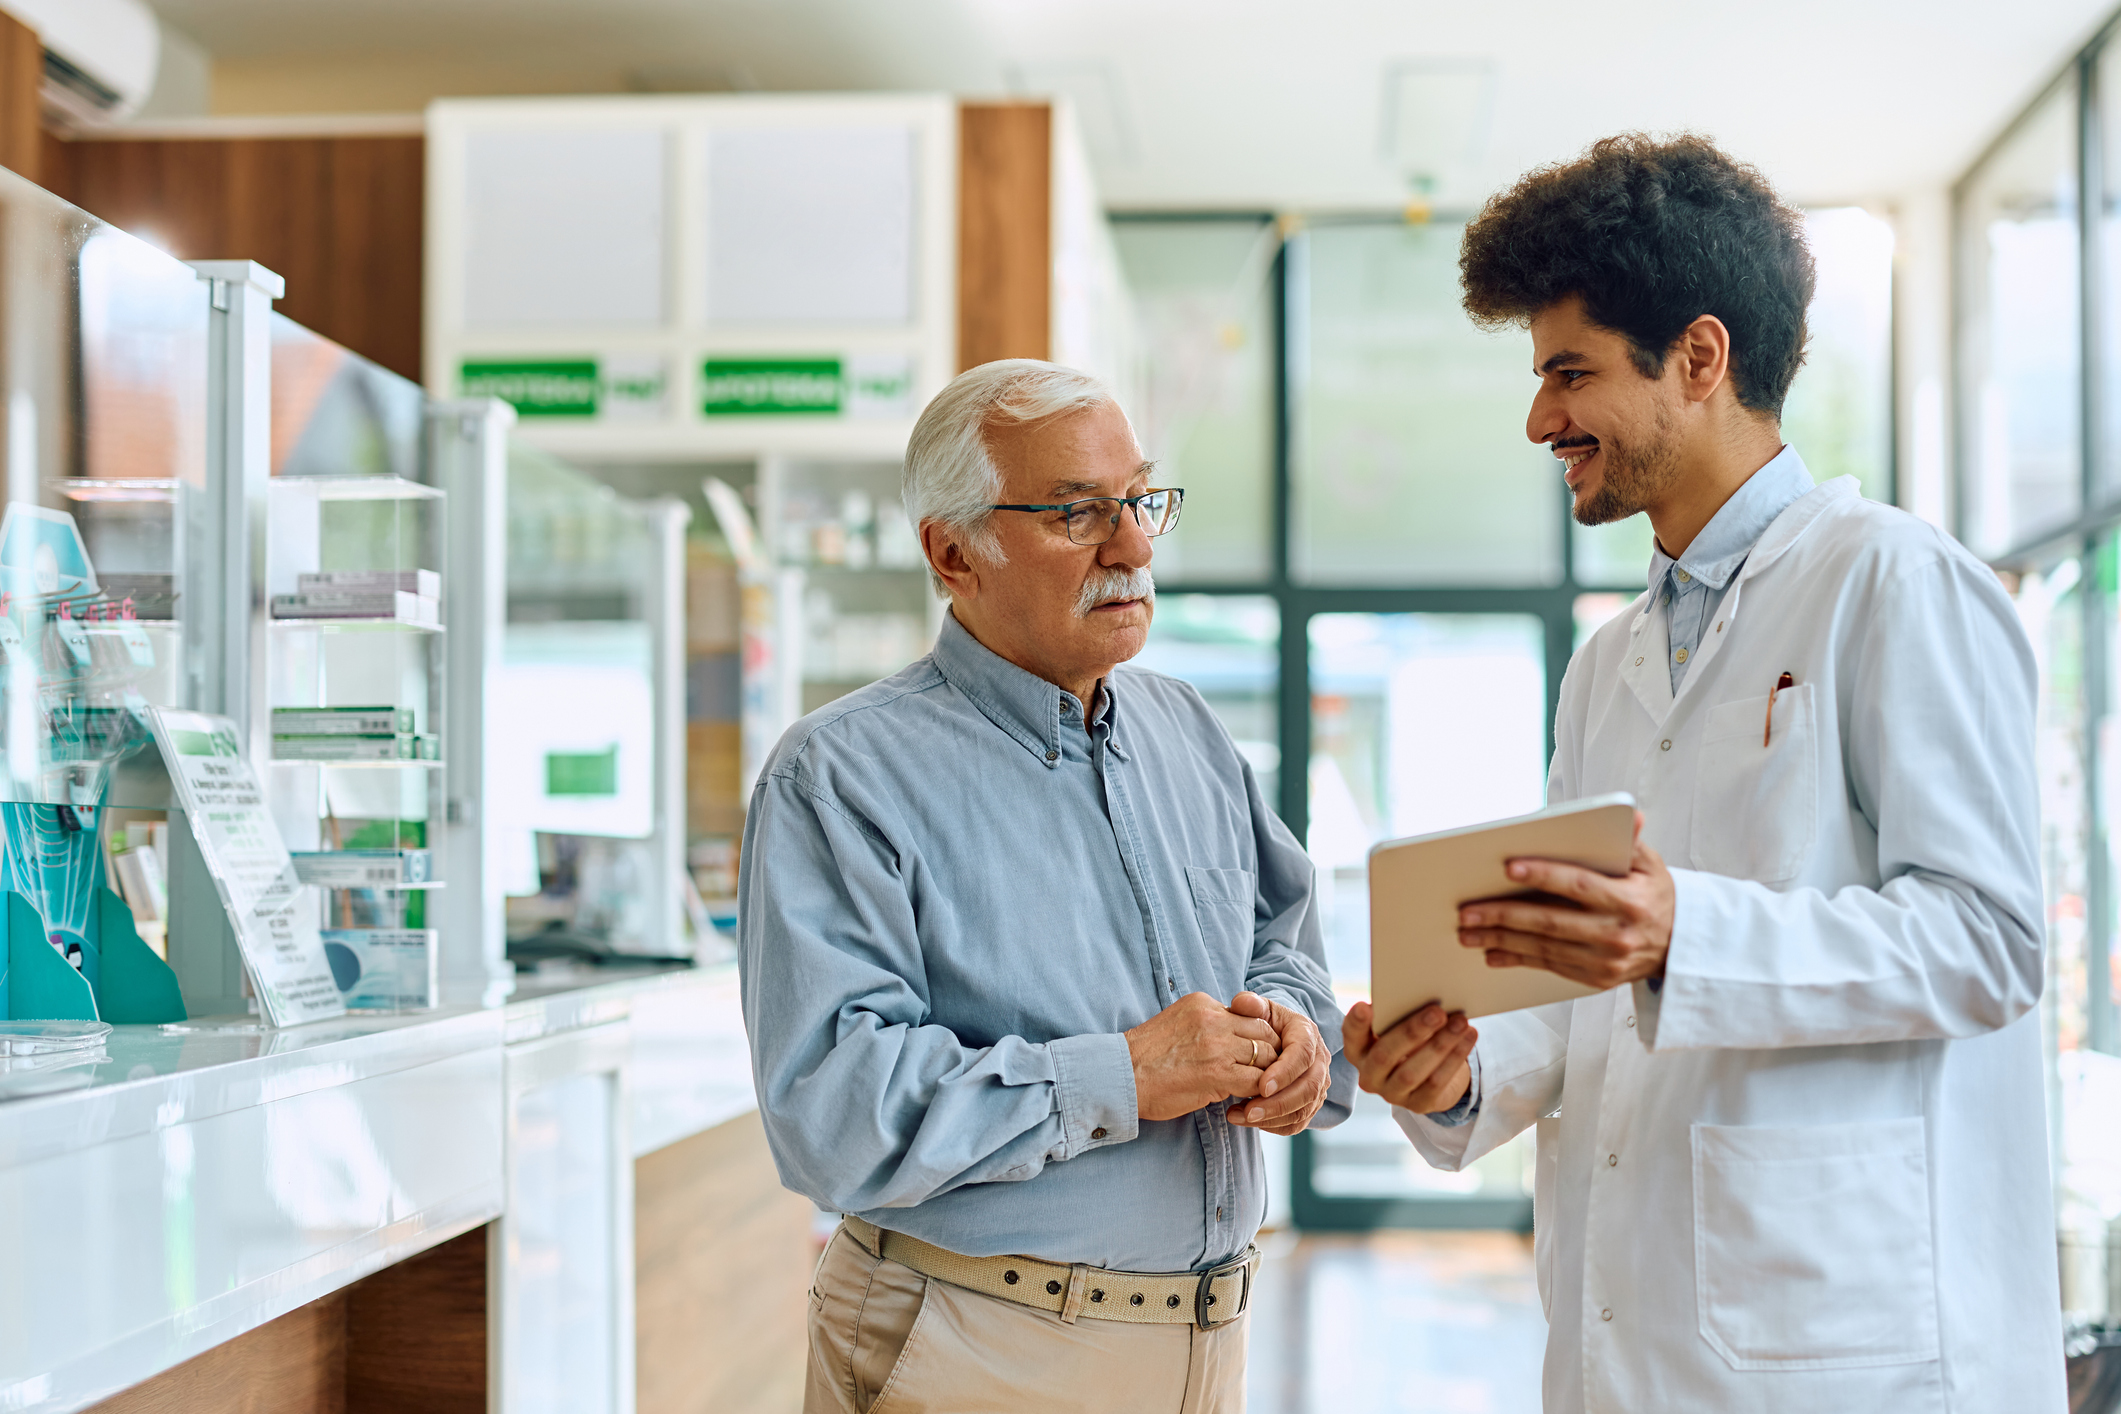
[1223, 903]
[1756, 804]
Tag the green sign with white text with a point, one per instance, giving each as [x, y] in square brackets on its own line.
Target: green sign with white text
[535, 388]
[743, 386]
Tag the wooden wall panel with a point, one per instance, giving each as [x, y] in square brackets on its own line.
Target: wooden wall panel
[296, 1362]
[340, 218]
[416, 1333]
[21, 108]
[722, 1262]
[1004, 232]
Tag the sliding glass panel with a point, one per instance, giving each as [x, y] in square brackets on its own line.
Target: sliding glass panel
[1839, 415]
[1229, 647]
[1420, 722]
[2019, 355]
[1204, 296]
[1410, 460]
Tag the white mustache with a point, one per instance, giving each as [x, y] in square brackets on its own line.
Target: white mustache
[1104, 586]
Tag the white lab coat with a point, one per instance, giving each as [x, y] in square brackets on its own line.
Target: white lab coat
[1812, 1173]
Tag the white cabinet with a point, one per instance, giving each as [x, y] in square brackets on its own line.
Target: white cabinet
[561, 1278]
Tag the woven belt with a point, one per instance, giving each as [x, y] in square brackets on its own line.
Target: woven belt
[1204, 1299]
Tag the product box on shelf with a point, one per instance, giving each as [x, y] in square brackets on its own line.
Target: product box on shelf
[387, 604]
[364, 868]
[400, 746]
[341, 721]
[425, 583]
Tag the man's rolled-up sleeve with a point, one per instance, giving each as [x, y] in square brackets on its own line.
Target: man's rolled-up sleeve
[1288, 963]
[867, 1104]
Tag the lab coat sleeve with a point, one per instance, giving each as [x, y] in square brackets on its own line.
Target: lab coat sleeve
[1518, 1064]
[1939, 759]
[1288, 963]
[1519, 1061]
[867, 1104]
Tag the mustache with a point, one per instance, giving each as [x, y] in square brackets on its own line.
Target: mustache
[1104, 586]
[1568, 443]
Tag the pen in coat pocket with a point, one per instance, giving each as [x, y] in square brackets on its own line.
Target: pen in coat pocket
[1768, 733]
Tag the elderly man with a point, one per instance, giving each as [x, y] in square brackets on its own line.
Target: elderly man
[1027, 962]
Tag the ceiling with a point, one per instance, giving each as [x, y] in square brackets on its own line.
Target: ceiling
[1265, 104]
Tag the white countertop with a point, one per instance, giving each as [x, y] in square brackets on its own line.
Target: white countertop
[198, 1180]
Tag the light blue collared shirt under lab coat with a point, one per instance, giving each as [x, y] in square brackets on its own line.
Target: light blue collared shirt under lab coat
[1688, 592]
[955, 898]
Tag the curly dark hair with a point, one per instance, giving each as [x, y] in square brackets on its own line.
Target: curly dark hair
[1652, 235]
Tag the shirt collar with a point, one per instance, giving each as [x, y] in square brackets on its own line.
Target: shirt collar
[1723, 544]
[1023, 705]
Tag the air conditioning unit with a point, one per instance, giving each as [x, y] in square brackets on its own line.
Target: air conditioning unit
[100, 56]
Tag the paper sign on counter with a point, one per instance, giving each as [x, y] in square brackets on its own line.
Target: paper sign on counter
[274, 913]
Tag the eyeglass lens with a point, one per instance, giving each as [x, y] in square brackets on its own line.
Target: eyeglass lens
[1094, 522]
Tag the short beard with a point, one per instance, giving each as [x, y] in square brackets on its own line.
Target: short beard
[1104, 586]
[1633, 478]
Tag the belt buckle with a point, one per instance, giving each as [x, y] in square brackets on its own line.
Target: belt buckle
[1201, 1293]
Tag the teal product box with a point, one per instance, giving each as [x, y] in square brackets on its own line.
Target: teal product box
[384, 969]
[341, 721]
[364, 868]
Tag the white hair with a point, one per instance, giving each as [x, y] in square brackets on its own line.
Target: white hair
[950, 475]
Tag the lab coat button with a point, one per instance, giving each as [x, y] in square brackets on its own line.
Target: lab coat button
[1665, 745]
[1612, 1160]
[1631, 1021]
[1606, 1314]
[1638, 662]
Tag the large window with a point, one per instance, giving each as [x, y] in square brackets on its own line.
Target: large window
[1377, 584]
[2038, 257]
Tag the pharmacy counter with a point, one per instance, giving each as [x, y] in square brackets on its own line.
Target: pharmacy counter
[198, 1181]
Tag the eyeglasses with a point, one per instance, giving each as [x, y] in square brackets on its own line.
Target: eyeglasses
[1096, 520]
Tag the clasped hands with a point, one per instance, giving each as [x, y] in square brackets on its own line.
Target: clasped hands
[1578, 923]
[1197, 1051]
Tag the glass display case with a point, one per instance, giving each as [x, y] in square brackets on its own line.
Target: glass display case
[586, 729]
[355, 666]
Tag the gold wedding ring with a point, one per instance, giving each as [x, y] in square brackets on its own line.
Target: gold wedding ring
[1255, 1053]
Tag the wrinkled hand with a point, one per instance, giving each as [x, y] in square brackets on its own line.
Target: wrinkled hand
[1294, 1086]
[1596, 930]
[1420, 1064]
[1197, 1051]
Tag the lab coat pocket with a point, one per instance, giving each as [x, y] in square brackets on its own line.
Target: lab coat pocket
[1756, 803]
[1546, 1173]
[1812, 1245]
[1224, 901]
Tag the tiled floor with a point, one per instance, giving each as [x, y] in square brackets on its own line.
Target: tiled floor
[1422, 1322]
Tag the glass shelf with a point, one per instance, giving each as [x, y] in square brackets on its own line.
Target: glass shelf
[362, 488]
[154, 490]
[360, 625]
[361, 765]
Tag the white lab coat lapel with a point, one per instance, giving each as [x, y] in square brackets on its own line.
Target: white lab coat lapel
[1648, 670]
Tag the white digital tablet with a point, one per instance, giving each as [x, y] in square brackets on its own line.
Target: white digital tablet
[1418, 885]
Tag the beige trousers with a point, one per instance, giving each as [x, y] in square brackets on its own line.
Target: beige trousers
[886, 1340]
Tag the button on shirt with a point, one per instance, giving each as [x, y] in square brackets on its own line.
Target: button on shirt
[957, 893]
[1689, 590]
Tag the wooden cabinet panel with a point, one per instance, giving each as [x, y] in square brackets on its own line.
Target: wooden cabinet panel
[1004, 232]
[21, 118]
[411, 1339]
[722, 1261]
[296, 1362]
[340, 218]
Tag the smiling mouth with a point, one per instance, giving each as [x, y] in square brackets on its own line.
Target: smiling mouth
[1572, 458]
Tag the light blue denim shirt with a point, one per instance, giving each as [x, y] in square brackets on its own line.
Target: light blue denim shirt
[1690, 589]
[955, 897]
